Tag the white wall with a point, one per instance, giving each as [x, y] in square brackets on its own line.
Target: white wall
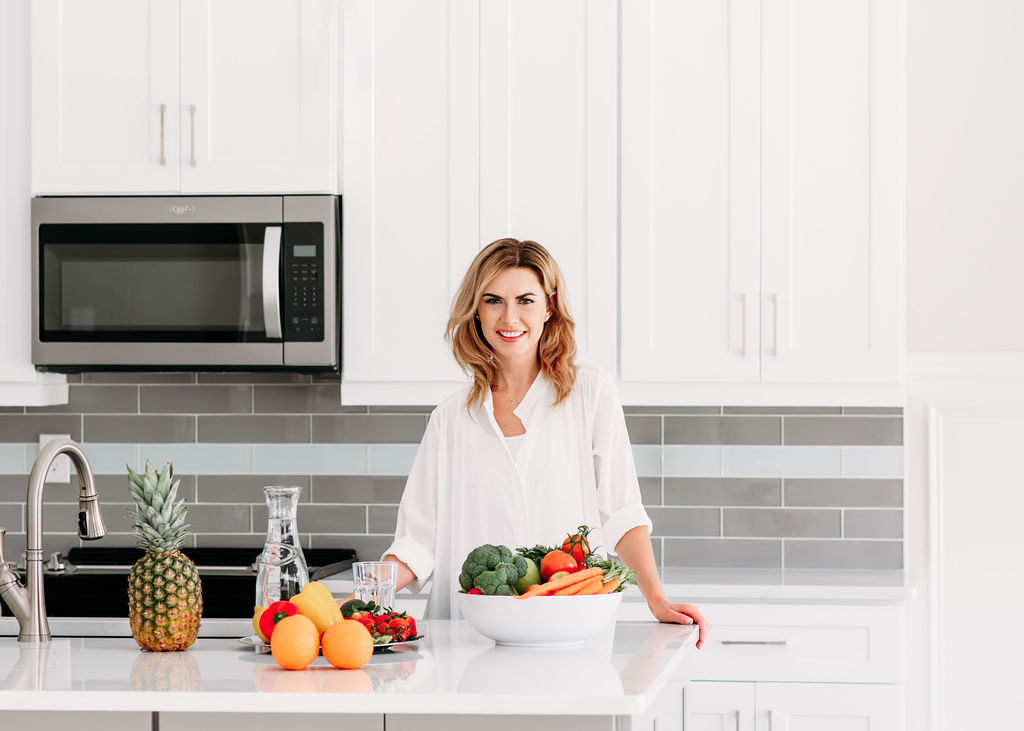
[965, 175]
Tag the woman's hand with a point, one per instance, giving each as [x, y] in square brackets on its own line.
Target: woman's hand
[666, 611]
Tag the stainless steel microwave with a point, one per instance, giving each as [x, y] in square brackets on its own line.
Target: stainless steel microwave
[203, 283]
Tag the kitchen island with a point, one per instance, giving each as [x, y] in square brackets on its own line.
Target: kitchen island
[452, 678]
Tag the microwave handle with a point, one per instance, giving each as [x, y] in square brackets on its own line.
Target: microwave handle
[272, 281]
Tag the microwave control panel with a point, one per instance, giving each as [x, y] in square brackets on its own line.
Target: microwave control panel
[302, 247]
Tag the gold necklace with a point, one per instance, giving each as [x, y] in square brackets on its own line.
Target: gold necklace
[511, 400]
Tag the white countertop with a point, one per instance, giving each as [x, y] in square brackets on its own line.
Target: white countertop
[453, 670]
[710, 585]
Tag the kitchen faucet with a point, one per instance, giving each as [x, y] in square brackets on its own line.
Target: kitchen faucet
[27, 602]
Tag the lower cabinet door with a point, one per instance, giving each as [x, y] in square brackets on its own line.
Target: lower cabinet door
[827, 707]
[80, 721]
[250, 721]
[709, 706]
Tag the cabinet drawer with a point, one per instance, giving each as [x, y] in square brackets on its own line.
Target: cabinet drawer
[801, 643]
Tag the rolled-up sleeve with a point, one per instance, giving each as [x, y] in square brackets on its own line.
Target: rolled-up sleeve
[415, 541]
[618, 490]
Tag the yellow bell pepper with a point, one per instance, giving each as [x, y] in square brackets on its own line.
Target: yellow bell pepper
[315, 601]
[257, 612]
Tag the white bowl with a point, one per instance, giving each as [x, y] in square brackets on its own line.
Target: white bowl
[539, 620]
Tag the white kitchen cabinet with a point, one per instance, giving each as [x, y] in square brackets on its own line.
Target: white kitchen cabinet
[87, 721]
[827, 707]
[248, 721]
[466, 122]
[760, 187]
[715, 707]
[792, 666]
[166, 96]
[20, 383]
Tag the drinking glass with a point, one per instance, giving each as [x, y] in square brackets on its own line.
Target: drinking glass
[375, 581]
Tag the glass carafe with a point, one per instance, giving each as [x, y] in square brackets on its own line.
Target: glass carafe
[282, 565]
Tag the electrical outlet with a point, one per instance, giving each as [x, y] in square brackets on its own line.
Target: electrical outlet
[60, 468]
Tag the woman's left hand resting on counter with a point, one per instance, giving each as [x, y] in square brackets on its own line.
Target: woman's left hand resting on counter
[634, 548]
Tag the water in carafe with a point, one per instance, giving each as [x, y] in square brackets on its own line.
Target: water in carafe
[282, 566]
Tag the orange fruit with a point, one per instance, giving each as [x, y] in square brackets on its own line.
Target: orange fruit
[347, 644]
[295, 642]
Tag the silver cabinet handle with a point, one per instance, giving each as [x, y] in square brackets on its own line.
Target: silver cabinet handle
[192, 127]
[775, 324]
[753, 642]
[271, 281]
[163, 125]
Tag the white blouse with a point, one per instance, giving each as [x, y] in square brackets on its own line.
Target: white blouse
[574, 466]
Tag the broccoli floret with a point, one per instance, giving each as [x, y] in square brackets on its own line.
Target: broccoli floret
[482, 558]
[492, 570]
[494, 582]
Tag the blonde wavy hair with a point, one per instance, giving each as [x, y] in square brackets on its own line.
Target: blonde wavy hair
[557, 347]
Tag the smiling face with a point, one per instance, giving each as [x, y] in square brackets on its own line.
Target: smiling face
[512, 313]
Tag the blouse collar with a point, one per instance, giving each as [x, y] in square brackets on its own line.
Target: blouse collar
[540, 392]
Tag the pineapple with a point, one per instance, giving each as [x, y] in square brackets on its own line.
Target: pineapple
[165, 599]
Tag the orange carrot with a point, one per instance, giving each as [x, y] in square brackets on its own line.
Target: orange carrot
[571, 589]
[593, 586]
[609, 586]
[561, 583]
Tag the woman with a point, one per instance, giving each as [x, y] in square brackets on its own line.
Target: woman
[536, 445]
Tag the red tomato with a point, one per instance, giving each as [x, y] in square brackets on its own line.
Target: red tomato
[577, 545]
[556, 561]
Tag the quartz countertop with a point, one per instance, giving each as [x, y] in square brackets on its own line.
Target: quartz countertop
[710, 585]
[452, 670]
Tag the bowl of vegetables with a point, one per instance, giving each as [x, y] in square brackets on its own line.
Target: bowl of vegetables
[507, 597]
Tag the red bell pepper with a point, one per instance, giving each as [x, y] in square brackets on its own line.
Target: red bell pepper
[274, 614]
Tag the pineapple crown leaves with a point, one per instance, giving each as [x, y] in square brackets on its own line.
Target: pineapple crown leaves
[158, 520]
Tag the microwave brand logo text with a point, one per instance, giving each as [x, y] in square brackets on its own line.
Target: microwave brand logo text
[181, 210]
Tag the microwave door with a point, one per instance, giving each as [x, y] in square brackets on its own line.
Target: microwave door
[190, 294]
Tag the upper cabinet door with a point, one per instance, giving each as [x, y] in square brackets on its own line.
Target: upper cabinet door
[411, 218]
[257, 104]
[831, 191]
[105, 96]
[689, 191]
[548, 148]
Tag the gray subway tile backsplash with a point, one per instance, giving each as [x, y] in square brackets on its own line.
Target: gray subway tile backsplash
[357, 489]
[382, 519]
[686, 521]
[737, 553]
[254, 428]
[370, 428]
[644, 429]
[843, 430]
[141, 428]
[750, 491]
[247, 488]
[781, 523]
[28, 427]
[845, 554]
[726, 487]
[881, 493]
[650, 490]
[872, 524]
[95, 400]
[204, 399]
[294, 399]
[723, 430]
